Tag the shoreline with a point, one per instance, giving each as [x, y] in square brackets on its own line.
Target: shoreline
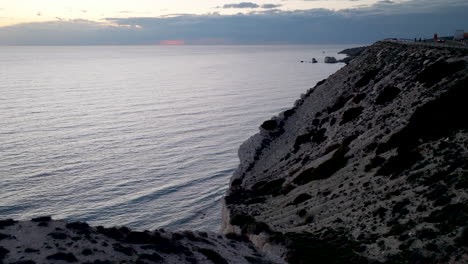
[348, 175]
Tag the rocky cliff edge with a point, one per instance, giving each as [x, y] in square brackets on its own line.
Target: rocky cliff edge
[369, 166]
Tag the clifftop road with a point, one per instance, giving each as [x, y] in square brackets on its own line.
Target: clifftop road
[430, 43]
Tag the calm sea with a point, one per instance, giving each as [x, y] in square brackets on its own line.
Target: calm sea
[141, 136]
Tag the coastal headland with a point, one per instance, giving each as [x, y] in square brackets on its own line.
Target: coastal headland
[369, 166]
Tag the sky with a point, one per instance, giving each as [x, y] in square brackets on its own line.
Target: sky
[149, 22]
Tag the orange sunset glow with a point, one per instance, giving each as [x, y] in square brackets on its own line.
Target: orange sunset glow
[172, 42]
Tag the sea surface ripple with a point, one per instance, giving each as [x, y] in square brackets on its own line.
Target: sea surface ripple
[143, 136]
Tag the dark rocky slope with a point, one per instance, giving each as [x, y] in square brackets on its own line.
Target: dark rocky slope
[43, 240]
[370, 166]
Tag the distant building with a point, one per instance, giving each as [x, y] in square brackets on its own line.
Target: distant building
[459, 35]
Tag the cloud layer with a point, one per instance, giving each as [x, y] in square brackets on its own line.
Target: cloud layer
[242, 5]
[418, 18]
[250, 5]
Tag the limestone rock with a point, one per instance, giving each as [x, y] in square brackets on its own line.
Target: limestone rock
[368, 166]
[330, 59]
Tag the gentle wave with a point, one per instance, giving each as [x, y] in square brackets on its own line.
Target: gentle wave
[139, 136]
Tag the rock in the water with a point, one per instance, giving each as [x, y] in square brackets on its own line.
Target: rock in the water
[330, 59]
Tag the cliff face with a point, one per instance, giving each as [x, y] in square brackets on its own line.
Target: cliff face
[368, 166]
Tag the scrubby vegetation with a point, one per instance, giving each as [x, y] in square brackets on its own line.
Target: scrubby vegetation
[326, 169]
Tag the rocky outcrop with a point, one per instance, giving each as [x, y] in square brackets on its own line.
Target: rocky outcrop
[44, 240]
[351, 53]
[369, 166]
[330, 60]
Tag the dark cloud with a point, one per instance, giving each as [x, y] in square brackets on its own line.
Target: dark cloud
[418, 18]
[270, 6]
[241, 5]
[385, 2]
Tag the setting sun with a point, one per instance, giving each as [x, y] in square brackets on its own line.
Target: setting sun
[172, 42]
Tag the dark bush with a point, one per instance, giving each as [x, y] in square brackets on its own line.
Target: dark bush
[269, 125]
[239, 196]
[242, 220]
[397, 229]
[380, 212]
[426, 233]
[3, 252]
[326, 169]
[42, 219]
[31, 250]
[125, 250]
[316, 136]
[212, 255]
[136, 237]
[289, 112]
[340, 102]
[439, 70]
[255, 200]
[305, 248]
[452, 215]
[4, 236]
[268, 188]
[399, 207]
[319, 136]
[387, 95]
[68, 257]
[112, 232]
[7, 222]
[256, 228]
[301, 198]
[78, 226]
[302, 213]
[309, 219]
[436, 119]
[442, 200]
[351, 114]
[367, 77]
[154, 257]
[256, 260]
[58, 235]
[399, 163]
[359, 97]
[236, 237]
[24, 262]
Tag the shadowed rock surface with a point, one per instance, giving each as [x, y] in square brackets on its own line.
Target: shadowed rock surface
[62, 242]
[370, 166]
